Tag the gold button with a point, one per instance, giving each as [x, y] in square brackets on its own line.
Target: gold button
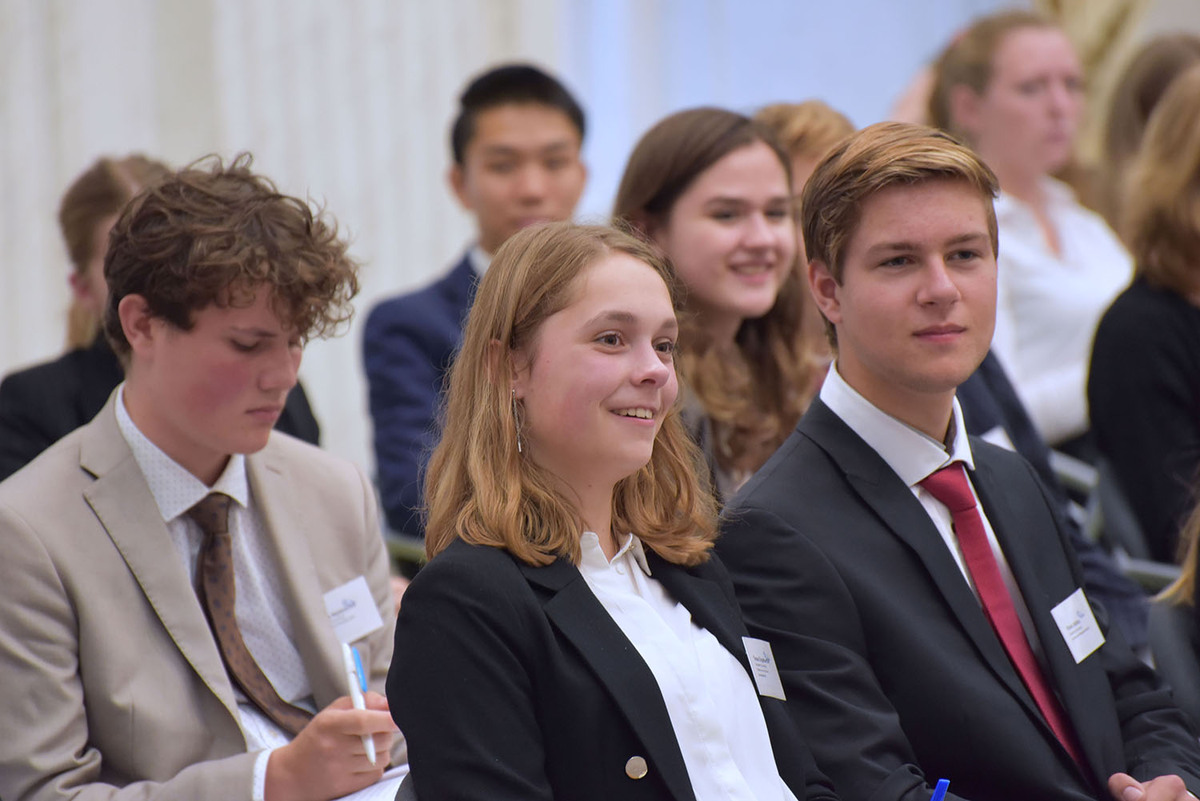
[636, 768]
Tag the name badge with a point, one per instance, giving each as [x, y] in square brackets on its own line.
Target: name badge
[352, 610]
[762, 666]
[1078, 625]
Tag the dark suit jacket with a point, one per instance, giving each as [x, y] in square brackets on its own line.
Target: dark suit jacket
[513, 682]
[988, 401]
[42, 404]
[408, 344]
[892, 672]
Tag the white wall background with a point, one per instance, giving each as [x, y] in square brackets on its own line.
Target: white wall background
[349, 101]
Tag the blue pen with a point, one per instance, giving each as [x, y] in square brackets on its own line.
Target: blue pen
[939, 792]
[358, 668]
[356, 679]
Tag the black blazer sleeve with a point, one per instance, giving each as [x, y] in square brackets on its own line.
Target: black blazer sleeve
[460, 686]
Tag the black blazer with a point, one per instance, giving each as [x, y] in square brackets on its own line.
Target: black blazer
[988, 401]
[512, 682]
[892, 672]
[42, 404]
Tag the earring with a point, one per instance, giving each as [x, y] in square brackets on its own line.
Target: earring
[516, 413]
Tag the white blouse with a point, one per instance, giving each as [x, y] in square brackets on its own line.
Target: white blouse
[1049, 304]
[711, 700]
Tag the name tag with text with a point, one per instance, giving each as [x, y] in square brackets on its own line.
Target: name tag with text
[1078, 625]
[352, 610]
[762, 666]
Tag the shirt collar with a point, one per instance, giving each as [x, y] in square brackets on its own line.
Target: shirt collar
[592, 555]
[174, 488]
[912, 454]
[479, 258]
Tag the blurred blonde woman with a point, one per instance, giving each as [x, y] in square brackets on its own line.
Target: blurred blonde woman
[571, 636]
[1144, 384]
[41, 404]
[1011, 86]
[1141, 86]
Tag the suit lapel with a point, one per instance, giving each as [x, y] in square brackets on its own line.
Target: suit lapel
[125, 507]
[574, 610]
[315, 640]
[1038, 579]
[878, 486]
[710, 608]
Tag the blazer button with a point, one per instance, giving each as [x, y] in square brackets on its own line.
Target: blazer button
[636, 768]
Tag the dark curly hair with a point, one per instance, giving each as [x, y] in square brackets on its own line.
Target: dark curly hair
[215, 234]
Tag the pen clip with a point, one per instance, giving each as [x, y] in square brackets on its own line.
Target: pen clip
[358, 669]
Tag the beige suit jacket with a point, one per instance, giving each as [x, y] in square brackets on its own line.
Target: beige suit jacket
[111, 686]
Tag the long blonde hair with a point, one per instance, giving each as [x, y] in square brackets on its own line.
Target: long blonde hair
[480, 488]
[1134, 99]
[1183, 589]
[1163, 201]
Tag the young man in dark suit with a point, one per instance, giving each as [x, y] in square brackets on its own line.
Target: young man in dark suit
[516, 144]
[916, 584]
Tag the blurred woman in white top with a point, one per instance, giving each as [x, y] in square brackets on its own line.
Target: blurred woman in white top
[1012, 87]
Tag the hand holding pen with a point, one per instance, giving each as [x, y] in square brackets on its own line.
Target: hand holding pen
[322, 761]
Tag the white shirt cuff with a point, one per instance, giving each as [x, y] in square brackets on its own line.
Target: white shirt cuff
[260, 775]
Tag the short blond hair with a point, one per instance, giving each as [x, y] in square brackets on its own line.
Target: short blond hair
[481, 489]
[877, 157]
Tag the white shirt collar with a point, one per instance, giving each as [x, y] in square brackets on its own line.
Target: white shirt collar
[912, 454]
[174, 488]
[592, 555]
[480, 259]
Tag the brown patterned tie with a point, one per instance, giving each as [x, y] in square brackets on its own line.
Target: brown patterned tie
[218, 593]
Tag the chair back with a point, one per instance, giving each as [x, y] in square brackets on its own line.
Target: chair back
[1173, 643]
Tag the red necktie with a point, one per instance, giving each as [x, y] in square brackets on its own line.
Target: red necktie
[949, 485]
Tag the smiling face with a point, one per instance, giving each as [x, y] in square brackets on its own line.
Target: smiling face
[520, 167]
[598, 377]
[215, 390]
[1026, 119]
[916, 307]
[731, 238]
